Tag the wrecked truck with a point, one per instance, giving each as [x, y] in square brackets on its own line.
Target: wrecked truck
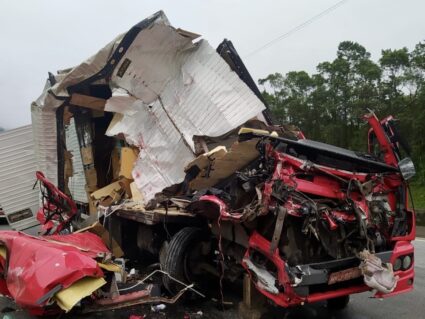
[168, 143]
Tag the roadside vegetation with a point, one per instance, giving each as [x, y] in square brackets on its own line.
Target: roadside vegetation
[418, 194]
[328, 105]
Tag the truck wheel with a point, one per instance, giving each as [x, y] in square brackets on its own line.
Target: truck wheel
[338, 303]
[183, 254]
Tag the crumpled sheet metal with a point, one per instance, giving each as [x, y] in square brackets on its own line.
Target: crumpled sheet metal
[77, 181]
[36, 265]
[265, 280]
[43, 110]
[194, 92]
[167, 89]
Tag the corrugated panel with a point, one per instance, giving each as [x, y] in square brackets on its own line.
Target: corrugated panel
[77, 182]
[17, 171]
[45, 141]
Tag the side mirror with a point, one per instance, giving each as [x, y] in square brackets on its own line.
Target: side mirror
[407, 168]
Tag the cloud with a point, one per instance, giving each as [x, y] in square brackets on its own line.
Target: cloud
[41, 36]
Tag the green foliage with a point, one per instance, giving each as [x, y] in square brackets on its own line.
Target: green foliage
[329, 104]
[418, 194]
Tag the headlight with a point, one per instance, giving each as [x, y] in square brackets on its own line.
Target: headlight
[397, 264]
[407, 262]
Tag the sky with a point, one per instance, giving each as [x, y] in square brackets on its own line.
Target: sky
[38, 36]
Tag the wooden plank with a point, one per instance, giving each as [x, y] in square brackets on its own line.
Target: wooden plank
[87, 101]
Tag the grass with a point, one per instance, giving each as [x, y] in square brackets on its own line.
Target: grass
[418, 193]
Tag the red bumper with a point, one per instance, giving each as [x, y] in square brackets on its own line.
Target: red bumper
[288, 297]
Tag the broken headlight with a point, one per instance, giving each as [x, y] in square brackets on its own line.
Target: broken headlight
[397, 264]
[403, 263]
[407, 262]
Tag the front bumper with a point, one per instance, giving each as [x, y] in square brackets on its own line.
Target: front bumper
[311, 281]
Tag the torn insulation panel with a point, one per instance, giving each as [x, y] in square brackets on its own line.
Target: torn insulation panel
[165, 89]
[77, 180]
[165, 125]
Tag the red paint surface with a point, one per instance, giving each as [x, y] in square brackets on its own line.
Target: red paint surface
[287, 297]
[35, 265]
[63, 206]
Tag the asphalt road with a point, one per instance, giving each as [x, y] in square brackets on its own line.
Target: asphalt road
[361, 306]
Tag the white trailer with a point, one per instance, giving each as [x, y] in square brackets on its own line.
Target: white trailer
[18, 197]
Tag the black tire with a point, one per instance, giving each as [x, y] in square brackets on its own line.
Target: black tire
[175, 259]
[338, 303]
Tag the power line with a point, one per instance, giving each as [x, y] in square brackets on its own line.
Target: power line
[297, 28]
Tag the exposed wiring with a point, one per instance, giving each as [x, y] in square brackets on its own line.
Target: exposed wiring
[190, 287]
[220, 249]
[110, 210]
[164, 222]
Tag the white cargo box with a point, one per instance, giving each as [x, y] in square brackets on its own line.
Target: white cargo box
[18, 197]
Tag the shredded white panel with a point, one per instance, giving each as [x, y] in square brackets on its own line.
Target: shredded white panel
[77, 182]
[168, 90]
[155, 58]
[86, 69]
[175, 90]
[45, 141]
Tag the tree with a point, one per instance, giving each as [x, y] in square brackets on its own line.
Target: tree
[329, 104]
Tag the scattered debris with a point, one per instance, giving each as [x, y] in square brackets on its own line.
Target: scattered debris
[158, 308]
[61, 268]
[265, 280]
